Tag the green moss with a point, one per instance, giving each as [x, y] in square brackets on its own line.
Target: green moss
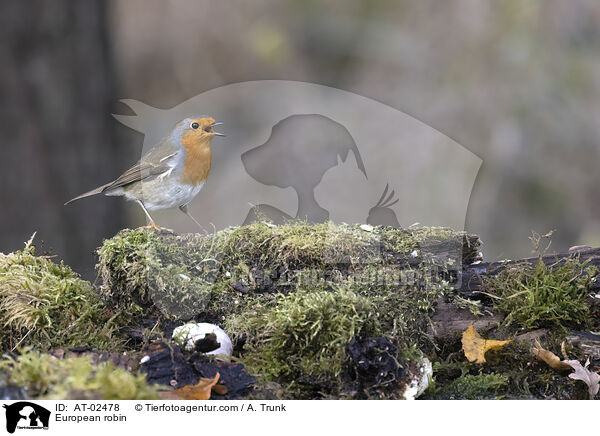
[532, 296]
[303, 336]
[526, 377]
[401, 240]
[543, 296]
[473, 387]
[46, 377]
[304, 333]
[294, 295]
[138, 268]
[46, 304]
[212, 277]
[472, 306]
[403, 300]
[295, 245]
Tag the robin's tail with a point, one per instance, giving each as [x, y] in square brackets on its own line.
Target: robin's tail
[98, 190]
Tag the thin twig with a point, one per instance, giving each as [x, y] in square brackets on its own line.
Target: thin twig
[489, 295]
[23, 338]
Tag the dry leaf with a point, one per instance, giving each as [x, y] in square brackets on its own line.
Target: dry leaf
[219, 389]
[585, 375]
[549, 357]
[200, 391]
[581, 372]
[563, 350]
[475, 346]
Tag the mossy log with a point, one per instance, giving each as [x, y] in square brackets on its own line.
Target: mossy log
[320, 310]
[323, 285]
[239, 269]
[181, 277]
[450, 319]
[472, 283]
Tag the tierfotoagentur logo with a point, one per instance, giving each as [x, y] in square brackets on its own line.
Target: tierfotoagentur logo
[313, 153]
[24, 415]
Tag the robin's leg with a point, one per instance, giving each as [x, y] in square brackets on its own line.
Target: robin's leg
[152, 223]
[185, 210]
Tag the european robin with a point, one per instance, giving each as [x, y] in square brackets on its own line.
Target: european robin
[169, 175]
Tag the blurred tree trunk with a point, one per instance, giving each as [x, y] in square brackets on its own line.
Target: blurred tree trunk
[56, 133]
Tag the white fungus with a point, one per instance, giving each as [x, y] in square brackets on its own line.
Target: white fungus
[190, 333]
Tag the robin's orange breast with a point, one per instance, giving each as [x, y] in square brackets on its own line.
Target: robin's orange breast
[198, 159]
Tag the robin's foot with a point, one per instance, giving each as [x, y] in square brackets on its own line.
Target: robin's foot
[157, 228]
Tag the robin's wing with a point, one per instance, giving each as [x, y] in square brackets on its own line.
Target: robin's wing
[157, 162]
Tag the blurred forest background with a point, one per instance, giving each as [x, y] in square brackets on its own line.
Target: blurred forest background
[516, 82]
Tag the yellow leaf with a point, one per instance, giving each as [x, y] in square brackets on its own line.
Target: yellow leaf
[200, 391]
[549, 357]
[475, 346]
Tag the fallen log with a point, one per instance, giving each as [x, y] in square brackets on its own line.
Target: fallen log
[449, 320]
[305, 303]
[473, 274]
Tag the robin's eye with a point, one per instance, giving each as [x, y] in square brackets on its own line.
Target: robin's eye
[195, 125]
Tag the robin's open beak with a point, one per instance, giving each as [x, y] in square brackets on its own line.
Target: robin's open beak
[217, 133]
